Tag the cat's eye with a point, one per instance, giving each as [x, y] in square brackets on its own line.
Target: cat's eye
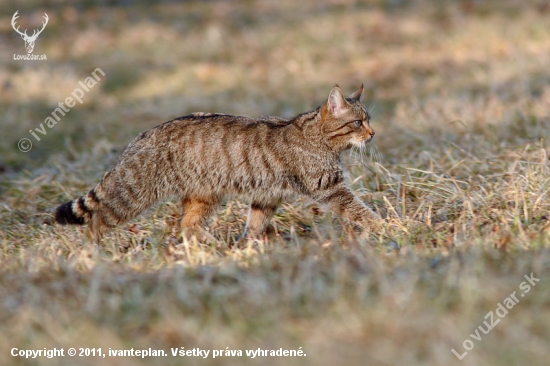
[358, 123]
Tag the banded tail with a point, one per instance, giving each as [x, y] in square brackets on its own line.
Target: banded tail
[78, 211]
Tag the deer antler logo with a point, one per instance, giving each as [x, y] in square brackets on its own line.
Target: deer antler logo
[29, 40]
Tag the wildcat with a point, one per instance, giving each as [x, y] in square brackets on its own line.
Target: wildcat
[203, 157]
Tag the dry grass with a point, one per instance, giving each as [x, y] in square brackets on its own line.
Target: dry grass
[461, 99]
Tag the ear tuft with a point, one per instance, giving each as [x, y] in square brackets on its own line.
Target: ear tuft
[358, 94]
[336, 100]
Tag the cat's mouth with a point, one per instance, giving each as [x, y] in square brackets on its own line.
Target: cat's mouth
[366, 140]
[361, 142]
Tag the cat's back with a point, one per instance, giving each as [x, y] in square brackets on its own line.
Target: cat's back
[207, 140]
[209, 128]
[225, 121]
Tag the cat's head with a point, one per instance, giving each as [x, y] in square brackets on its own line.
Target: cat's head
[345, 121]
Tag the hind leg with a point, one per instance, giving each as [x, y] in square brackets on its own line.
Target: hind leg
[96, 228]
[196, 210]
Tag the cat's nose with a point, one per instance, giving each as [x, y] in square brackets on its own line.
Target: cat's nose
[372, 133]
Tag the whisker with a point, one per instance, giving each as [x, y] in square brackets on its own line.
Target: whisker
[371, 108]
[372, 153]
[355, 153]
[375, 154]
[358, 153]
[379, 155]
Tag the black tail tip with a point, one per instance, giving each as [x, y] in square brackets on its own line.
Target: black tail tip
[64, 215]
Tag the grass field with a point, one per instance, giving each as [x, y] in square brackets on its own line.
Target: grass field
[460, 97]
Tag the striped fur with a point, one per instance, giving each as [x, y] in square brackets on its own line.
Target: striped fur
[203, 157]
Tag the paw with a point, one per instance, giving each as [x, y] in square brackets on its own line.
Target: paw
[247, 239]
[375, 226]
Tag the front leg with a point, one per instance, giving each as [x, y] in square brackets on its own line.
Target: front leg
[258, 219]
[344, 203]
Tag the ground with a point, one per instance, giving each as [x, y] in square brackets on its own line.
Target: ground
[460, 98]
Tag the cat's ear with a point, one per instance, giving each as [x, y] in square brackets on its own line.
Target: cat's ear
[336, 100]
[358, 94]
